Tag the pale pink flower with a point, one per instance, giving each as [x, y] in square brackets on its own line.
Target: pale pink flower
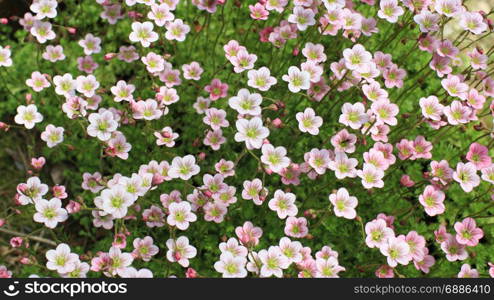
[344, 204]
[28, 116]
[454, 250]
[397, 251]
[61, 259]
[371, 176]
[479, 155]
[344, 141]
[466, 176]
[176, 30]
[283, 204]
[428, 21]
[144, 248]
[274, 158]
[52, 53]
[254, 190]
[231, 266]
[308, 121]
[5, 60]
[42, 31]
[50, 212]
[52, 135]
[357, 58]
[343, 166]
[248, 235]
[273, 262]
[431, 108]
[432, 199]
[90, 44]
[467, 232]
[377, 233]
[302, 17]
[473, 22]
[353, 115]
[258, 12]
[467, 272]
[394, 77]
[246, 103]
[38, 81]
[390, 10]
[252, 132]
[385, 112]
[123, 91]
[297, 80]
[296, 227]
[318, 159]
[183, 167]
[160, 14]
[192, 71]
[457, 113]
[143, 33]
[261, 79]
[180, 215]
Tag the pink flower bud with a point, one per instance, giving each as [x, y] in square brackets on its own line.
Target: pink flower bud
[71, 30]
[38, 163]
[4, 21]
[4, 126]
[109, 56]
[73, 207]
[166, 134]
[191, 273]
[208, 193]
[177, 256]
[295, 51]
[29, 97]
[16, 242]
[2, 222]
[407, 181]
[25, 261]
[201, 156]
[277, 123]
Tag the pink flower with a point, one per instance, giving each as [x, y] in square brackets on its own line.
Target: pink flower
[344, 141]
[455, 87]
[302, 17]
[431, 108]
[248, 235]
[344, 204]
[467, 272]
[261, 79]
[216, 118]
[397, 251]
[144, 248]
[406, 181]
[466, 175]
[467, 232]
[353, 115]
[425, 264]
[176, 30]
[216, 89]
[390, 10]
[154, 217]
[432, 199]
[38, 163]
[258, 12]
[253, 190]
[308, 121]
[479, 155]
[296, 227]
[454, 250]
[283, 204]
[371, 176]
[385, 271]
[192, 71]
[38, 81]
[180, 215]
[394, 77]
[377, 233]
[357, 58]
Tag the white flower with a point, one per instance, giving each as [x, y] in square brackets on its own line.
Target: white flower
[302, 17]
[87, 85]
[231, 266]
[357, 58]
[61, 259]
[5, 60]
[180, 251]
[64, 85]
[397, 252]
[275, 158]
[246, 103]
[184, 167]
[308, 121]
[273, 262]
[116, 201]
[344, 204]
[252, 132]
[44, 9]
[32, 190]
[176, 30]
[102, 125]
[28, 116]
[297, 80]
[123, 91]
[283, 204]
[143, 33]
[52, 135]
[180, 215]
[90, 44]
[353, 115]
[132, 272]
[50, 212]
[42, 31]
[261, 79]
[291, 249]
